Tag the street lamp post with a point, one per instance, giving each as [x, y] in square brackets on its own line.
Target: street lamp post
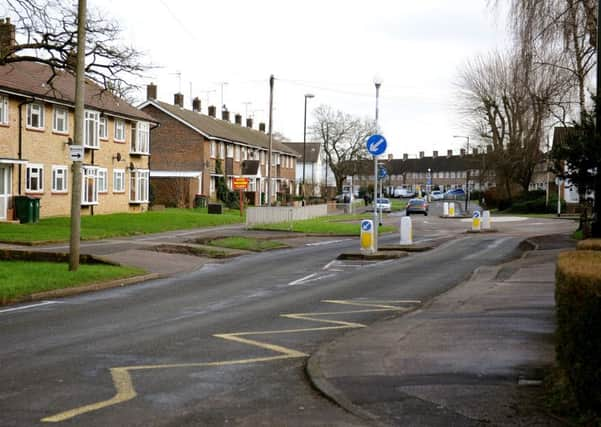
[308, 95]
[377, 83]
[467, 174]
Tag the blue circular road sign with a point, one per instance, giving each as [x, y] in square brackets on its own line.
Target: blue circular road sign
[382, 172]
[376, 145]
[365, 225]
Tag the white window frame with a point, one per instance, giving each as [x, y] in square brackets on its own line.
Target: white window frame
[39, 113]
[89, 175]
[92, 134]
[102, 177]
[119, 130]
[213, 149]
[60, 182]
[236, 153]
[244, 153]
[230, 150]
[60, 115]
[118, 180]
[139, 186]
[103, 128]
[38, 175]
[140, 132]
[222, 150]
[3, 110]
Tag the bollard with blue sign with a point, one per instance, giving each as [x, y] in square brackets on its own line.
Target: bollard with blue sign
[486, 220]
[476, 221]
[367, 236]
[451, 209]
[406, 231]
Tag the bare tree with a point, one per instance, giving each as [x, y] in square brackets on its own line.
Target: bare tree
[343, 137]
[508, 100]
[568, 27]
[49, 29]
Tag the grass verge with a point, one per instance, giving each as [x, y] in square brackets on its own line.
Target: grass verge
[22, 278]
[331, 225]
[247, 244]
[95, 227]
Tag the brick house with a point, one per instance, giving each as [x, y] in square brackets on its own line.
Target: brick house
[191, 151]
[36, 128]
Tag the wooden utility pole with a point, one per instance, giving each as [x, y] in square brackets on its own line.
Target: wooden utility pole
[271, 78]
[78, 138]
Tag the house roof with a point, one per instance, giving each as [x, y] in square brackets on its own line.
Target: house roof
[435, 164]
[214, 128]
[313, 150]
[30, 79]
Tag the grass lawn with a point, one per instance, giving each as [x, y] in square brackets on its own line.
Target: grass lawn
[22, 278]
[335, 225]
[57, 229]
[247, 244]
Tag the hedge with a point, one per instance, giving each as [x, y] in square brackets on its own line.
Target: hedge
[589, 245]
[578, 301]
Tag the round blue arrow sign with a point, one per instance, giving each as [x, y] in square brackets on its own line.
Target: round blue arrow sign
[382, 172]
[376, 145]
[365, 225]
[476, 214]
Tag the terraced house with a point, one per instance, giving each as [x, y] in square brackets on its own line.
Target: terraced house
[36, 128]
[192, 151]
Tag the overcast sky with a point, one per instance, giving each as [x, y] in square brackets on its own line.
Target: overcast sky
[329, 48]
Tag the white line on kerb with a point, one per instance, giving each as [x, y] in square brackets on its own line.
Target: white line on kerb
[25, 307]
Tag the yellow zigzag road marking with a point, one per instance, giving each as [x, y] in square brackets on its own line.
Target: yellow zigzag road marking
[124, 385]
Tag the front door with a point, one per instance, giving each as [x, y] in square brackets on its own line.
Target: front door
[5, 186]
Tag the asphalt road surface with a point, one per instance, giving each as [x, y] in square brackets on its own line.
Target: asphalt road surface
[225, 345]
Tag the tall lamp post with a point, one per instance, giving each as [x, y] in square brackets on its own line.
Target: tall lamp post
[307, 96]
[377, 83]
[467, 175]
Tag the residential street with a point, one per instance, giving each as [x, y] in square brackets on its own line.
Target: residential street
[228, 343]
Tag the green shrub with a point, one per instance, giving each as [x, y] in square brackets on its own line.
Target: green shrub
[578, 300]
[589, 245]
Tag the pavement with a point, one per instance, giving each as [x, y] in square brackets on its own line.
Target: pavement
[473, 356]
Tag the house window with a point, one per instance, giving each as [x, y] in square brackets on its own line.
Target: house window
[140, 138]
[237, 153]
[101, 180]
[119, 130]
[262, 155]
[89, 193]
[35, 116]
[138, 192]
[59, 179]
[35, 178]
[244, 153]
[4, 110]
[230, 151]
[212, 185]
[222, 150]
[91, 137]
[103, 128]
[118, 180]
[60, 122]
[213, 149]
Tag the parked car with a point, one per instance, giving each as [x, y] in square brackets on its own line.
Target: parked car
[455, 194]
[403, 192]
[417, 206]
[383, 203]
[437, 195]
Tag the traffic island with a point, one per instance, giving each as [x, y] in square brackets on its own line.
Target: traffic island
[378, 256]
[406, 248]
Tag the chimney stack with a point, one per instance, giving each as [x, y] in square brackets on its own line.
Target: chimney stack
[212, 111]
[434, 154]
[262, 127]
[151, 91]
[178, 99]
[249, 122]
[196, 105]
[449, 153]
[421, 154]
[7, 36]
[238, 119]
[225, 115]
[405, 156]
[462, 152]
